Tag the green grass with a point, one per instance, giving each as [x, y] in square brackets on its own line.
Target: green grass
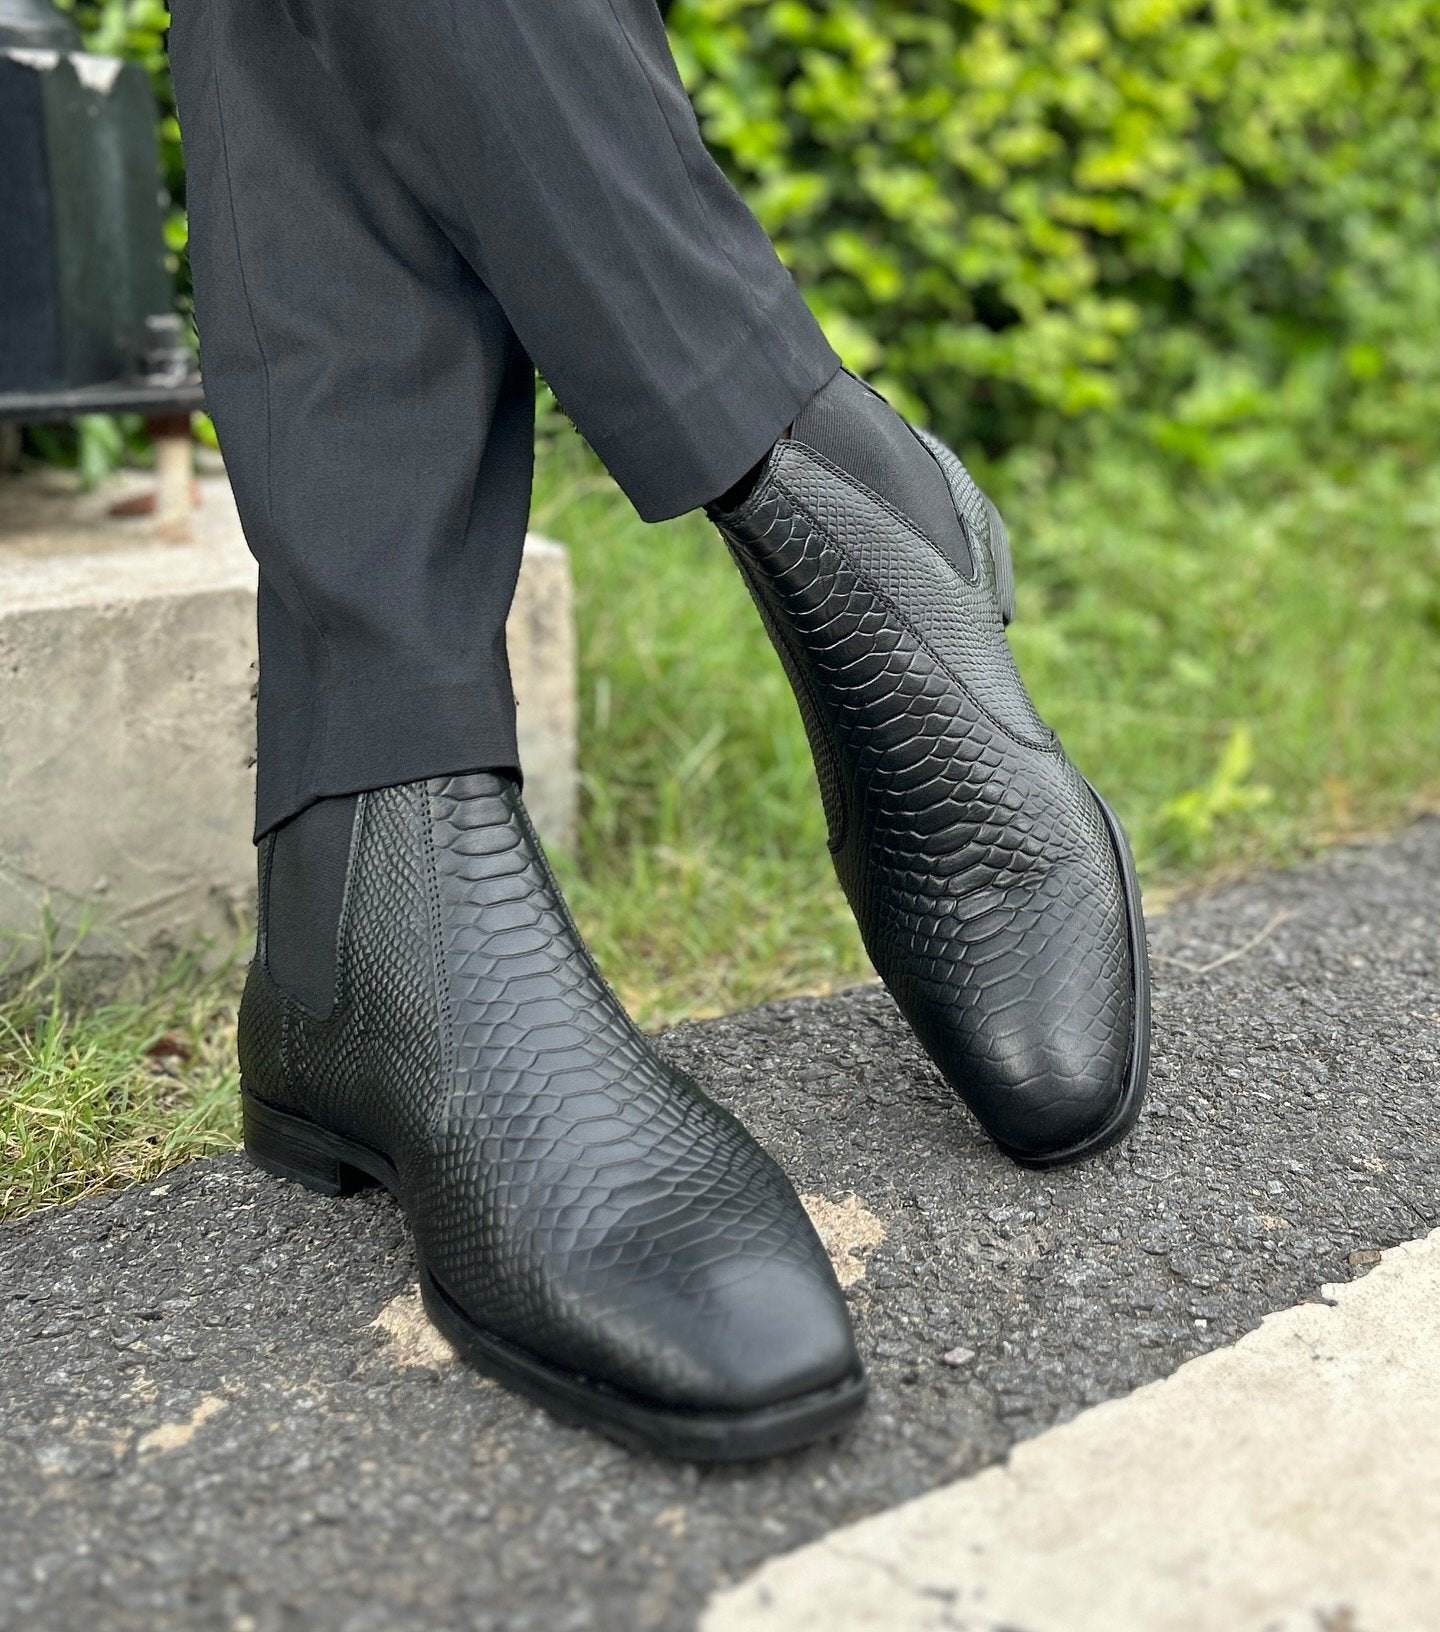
[1248, 672]
[98, 1094]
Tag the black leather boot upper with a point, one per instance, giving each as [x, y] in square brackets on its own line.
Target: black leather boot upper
[572, 1196]
[992, 888]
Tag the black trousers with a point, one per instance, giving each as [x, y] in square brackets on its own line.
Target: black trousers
[398, 212]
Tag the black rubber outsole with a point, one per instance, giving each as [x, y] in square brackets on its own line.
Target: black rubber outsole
[292, 1147]
[1127, 1108]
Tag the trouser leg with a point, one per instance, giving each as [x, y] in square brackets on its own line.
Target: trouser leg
[375, 409]
[554, 143]
[392, 211]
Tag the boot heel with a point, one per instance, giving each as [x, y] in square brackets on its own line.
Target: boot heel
[292, 1148]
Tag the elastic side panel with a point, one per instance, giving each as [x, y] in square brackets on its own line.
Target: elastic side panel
[309, 864]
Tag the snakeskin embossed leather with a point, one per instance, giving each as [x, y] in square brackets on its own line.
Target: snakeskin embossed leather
[572, 1197]
[994, 893]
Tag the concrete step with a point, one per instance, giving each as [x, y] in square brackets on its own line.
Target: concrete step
[127, 671]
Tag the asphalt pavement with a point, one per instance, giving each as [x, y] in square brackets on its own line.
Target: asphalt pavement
[220, 1410]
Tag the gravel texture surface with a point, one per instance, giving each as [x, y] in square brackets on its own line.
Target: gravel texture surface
[218, 1408]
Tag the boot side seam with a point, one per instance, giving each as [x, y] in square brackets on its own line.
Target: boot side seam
[1051, 746]
[440, 963]
[358, 830]
[267, 981]
[972, 580]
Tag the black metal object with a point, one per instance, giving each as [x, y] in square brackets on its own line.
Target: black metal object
[87, 320]
[36, 24]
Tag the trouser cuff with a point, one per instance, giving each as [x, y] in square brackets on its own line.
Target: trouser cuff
[690, 448]
[356, 738]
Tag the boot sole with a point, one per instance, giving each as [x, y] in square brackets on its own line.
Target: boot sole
[292, 1147]
[1127, 1109]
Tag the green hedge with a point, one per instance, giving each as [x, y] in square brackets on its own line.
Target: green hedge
[1213, 223]
[1216, 222]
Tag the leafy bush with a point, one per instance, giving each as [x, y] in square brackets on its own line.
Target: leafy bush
[1215, 220]
[1212, 221]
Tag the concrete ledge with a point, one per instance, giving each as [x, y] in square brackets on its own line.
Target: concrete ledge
[1282, 1485]
[541, 636]
[127, 671]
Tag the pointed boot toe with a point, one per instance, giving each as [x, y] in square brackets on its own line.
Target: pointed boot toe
[720, 1335]
[1034, 1002]
[779, 1333]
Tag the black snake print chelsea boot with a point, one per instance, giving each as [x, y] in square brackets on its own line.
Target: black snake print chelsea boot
[590, 1228]
[993, 887]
